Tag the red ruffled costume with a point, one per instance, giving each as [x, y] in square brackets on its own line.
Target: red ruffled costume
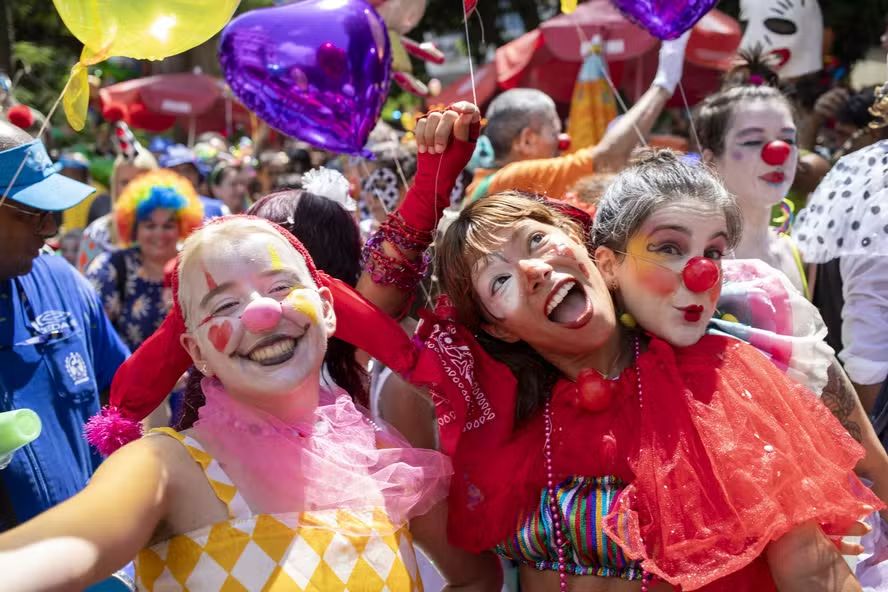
[723, 455]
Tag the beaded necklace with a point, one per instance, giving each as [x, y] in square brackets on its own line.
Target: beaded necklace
[557, 517]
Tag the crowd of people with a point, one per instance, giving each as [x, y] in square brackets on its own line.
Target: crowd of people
[472, 362]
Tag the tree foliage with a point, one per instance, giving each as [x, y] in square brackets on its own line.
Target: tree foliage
[43, 50]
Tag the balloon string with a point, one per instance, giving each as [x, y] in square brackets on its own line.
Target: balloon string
[376, 192]
[690, 115]
[469, 54]
[481, 25]
[401, 171]
[39, 135]
[607, 78]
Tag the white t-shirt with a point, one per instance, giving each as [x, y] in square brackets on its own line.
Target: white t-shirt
[865, 317]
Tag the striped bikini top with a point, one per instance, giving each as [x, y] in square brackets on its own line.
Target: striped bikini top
[342, 550]
[583, 503]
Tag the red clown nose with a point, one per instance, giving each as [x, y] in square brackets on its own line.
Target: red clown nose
[700, 274]
[776, 152]
[563, 142]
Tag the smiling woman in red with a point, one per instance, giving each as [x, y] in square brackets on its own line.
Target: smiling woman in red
[597, 456]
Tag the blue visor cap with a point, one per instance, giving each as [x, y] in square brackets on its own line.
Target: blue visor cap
[39, 184]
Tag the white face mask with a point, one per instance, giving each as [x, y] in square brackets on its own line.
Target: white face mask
[791, 30]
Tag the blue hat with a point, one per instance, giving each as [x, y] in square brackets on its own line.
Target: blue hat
[180, 154]
[73, 160]
[38, 184]
[175, 155]
[159, 144]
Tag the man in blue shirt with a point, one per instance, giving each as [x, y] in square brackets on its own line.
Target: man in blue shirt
[58, 350]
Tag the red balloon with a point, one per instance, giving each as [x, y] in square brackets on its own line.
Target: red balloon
[775, 153]
[594, 393]
[700, 274]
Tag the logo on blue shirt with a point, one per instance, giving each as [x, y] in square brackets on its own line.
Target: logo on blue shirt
[53, 321]
[76, 368]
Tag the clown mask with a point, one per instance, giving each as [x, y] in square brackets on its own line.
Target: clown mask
[791, 31]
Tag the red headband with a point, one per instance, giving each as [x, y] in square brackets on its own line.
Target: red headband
[149, 375]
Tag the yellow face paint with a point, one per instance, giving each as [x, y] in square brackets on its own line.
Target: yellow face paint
[301, 300]
[275, 258]
[651, 267]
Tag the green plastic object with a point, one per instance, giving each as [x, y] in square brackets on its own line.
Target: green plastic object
[17, 428]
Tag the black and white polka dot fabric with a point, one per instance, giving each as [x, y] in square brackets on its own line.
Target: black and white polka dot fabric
[383, 185]
[848, 213]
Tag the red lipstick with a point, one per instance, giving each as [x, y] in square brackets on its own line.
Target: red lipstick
[774, 177]
[692, 313]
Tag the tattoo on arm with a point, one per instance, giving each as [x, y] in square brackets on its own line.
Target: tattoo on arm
[840, 397]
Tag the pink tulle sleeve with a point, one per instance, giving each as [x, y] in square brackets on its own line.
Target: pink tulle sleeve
[772, 316]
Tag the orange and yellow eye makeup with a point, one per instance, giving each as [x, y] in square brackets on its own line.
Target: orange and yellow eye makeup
[653, 271]
[301, 301]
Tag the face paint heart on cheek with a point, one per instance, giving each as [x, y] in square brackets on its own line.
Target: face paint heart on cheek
[220, 335]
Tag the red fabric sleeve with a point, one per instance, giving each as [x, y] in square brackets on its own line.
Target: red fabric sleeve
[436, 174]
[360, 323]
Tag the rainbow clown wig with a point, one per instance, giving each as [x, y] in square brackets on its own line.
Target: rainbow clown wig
[159, 189]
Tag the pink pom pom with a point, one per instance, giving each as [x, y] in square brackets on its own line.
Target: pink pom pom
[108, 430]
[20, 116]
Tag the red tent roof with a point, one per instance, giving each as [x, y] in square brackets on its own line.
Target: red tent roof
[155, 103]
[549, 58]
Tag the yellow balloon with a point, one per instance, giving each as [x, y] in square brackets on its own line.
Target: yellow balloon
[568, 6]
[144, 29]
[76, 99]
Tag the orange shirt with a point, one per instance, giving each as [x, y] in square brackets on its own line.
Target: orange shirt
[547, 176]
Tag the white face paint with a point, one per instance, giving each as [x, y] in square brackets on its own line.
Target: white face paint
[743, 170]
[791, 30]
[220, 282]
[541, 287]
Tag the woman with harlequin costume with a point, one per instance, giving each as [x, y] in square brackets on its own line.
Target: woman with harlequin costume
[599, 456]
[280, 483]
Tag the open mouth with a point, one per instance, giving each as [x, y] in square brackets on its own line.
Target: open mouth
[273, 351]
[568, 304]
[692, 313]
[773, 177]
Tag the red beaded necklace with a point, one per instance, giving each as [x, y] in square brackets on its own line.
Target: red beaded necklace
[599, 398]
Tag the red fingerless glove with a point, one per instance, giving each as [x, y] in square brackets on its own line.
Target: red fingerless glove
[427, 199]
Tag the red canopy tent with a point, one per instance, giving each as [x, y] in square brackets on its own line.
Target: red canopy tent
[549, 57]
[198, 102]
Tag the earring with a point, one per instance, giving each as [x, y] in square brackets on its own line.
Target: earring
[202, 368]
[628, 321]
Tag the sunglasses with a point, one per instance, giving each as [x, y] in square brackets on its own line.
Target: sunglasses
[42, 216]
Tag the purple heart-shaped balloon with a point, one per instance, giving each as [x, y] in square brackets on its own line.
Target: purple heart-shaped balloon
[665, 19]
[317, 70]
